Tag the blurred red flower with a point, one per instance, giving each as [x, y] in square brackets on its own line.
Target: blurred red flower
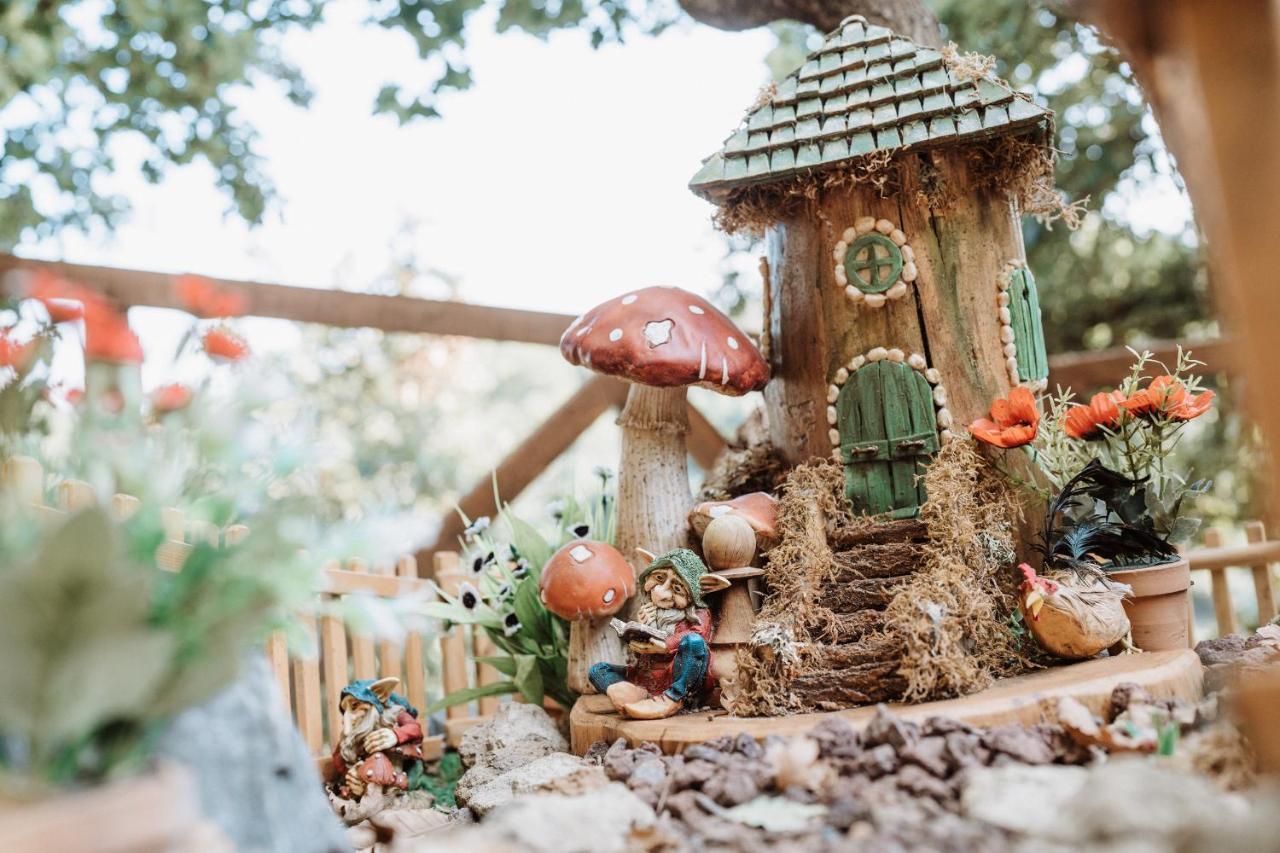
[204, 298]
[16, 355]
[225, 345]
[171, 398]
[107, 336]
[64, 300]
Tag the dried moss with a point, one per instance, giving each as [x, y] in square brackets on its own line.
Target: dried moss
[811, 506]
[951, 617]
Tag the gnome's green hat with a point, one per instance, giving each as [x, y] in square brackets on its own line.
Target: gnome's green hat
[687, 565]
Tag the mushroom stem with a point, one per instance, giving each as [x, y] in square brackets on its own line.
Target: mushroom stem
[653, 474]
[653, 505]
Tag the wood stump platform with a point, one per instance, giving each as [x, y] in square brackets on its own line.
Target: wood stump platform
[1026, 699]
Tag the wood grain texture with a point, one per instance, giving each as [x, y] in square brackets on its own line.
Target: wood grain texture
[1026, 699]
[1263, 584]
[308, 713]
[312, 305]
[1223, 608]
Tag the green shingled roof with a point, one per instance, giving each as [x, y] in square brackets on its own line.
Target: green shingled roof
[865, 90]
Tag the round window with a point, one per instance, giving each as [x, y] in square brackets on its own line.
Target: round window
[873, 263]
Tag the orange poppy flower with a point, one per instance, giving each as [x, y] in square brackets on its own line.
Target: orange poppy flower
[202, 297]
[1192, 406]
[225, 345]
[107, 337]
[1161, 394]
[1014, 421]
[16, 355]
[171, 398]
[1088, 422]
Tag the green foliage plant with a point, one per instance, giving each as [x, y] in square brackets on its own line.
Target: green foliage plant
[501, 596]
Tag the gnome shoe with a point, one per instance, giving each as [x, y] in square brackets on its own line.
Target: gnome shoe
[625, 693]
[657, 708]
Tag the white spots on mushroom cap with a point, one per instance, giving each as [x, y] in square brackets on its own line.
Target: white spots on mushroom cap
[629, 299]
[581, 553]
[724, 370]
[732, 342]
[615, 335]
[719, 510]
[582, 331]
[694, 309]
[658, 332]
[609, 595]
[702, 362]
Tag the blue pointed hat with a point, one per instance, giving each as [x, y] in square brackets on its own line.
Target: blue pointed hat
[362, 690]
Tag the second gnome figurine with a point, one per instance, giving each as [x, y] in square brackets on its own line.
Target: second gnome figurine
[668, 644]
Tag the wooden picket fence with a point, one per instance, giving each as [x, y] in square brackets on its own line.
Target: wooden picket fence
[1259, 557]
[311, 684]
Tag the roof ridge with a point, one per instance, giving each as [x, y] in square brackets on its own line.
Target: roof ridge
[864, 90]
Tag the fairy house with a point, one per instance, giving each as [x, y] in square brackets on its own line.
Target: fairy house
[888, 179]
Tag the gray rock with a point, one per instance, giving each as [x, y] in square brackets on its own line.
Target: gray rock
[558, 771]
[254, 775]
[598, 821]
[516, 735]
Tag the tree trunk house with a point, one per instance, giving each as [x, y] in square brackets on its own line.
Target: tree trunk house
[888, 179]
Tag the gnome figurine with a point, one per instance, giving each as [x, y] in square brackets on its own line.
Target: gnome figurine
[381, 739]
[668, 644]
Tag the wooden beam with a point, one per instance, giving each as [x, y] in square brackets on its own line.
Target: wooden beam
[705, 441]
[552, 437]
[313, 305]
[1084, 372]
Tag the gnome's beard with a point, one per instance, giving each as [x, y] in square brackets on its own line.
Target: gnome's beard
[353, 734]
[664, 618]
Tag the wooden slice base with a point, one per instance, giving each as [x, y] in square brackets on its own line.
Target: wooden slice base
[1026, 699]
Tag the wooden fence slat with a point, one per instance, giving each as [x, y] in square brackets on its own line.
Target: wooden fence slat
[1222, 606]
[362, 655]
[74, 495]
[486, 674]
[278, 658]
[415, 669]
[25, 476]
[704, 441]
[306, 689]
[453, 648]
[123, 507]
[333, 666]
[1263, 585]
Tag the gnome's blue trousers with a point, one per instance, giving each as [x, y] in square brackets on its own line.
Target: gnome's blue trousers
[688, 670]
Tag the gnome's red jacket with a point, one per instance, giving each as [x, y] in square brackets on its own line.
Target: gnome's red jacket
[654, 672]
[378, 769]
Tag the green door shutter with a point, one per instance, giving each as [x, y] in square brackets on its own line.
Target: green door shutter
[1028, 333]
[887, 430]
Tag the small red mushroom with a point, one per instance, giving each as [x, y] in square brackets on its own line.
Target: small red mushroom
[760, 509]
[586, 580]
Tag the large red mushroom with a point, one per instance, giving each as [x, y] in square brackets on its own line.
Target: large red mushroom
[662, 340]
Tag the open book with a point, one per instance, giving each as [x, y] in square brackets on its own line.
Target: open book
[636, 631]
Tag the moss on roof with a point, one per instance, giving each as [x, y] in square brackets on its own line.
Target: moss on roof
[865, 91]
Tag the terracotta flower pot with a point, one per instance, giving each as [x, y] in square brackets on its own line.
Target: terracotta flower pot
[155, 811]
[1158, 611]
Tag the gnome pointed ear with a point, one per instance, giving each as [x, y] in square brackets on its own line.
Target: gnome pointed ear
[711, 582]
[648, 555]
[383, 686]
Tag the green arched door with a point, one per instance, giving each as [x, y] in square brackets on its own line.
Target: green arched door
[1028, 332]
[887, 431]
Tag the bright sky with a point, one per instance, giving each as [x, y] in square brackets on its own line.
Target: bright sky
[556, 182]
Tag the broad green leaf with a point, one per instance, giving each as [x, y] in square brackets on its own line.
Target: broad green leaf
[528, 541]
[503, 664]
[528, 678]
[114, 676]
[461, 697]
[531, 613]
